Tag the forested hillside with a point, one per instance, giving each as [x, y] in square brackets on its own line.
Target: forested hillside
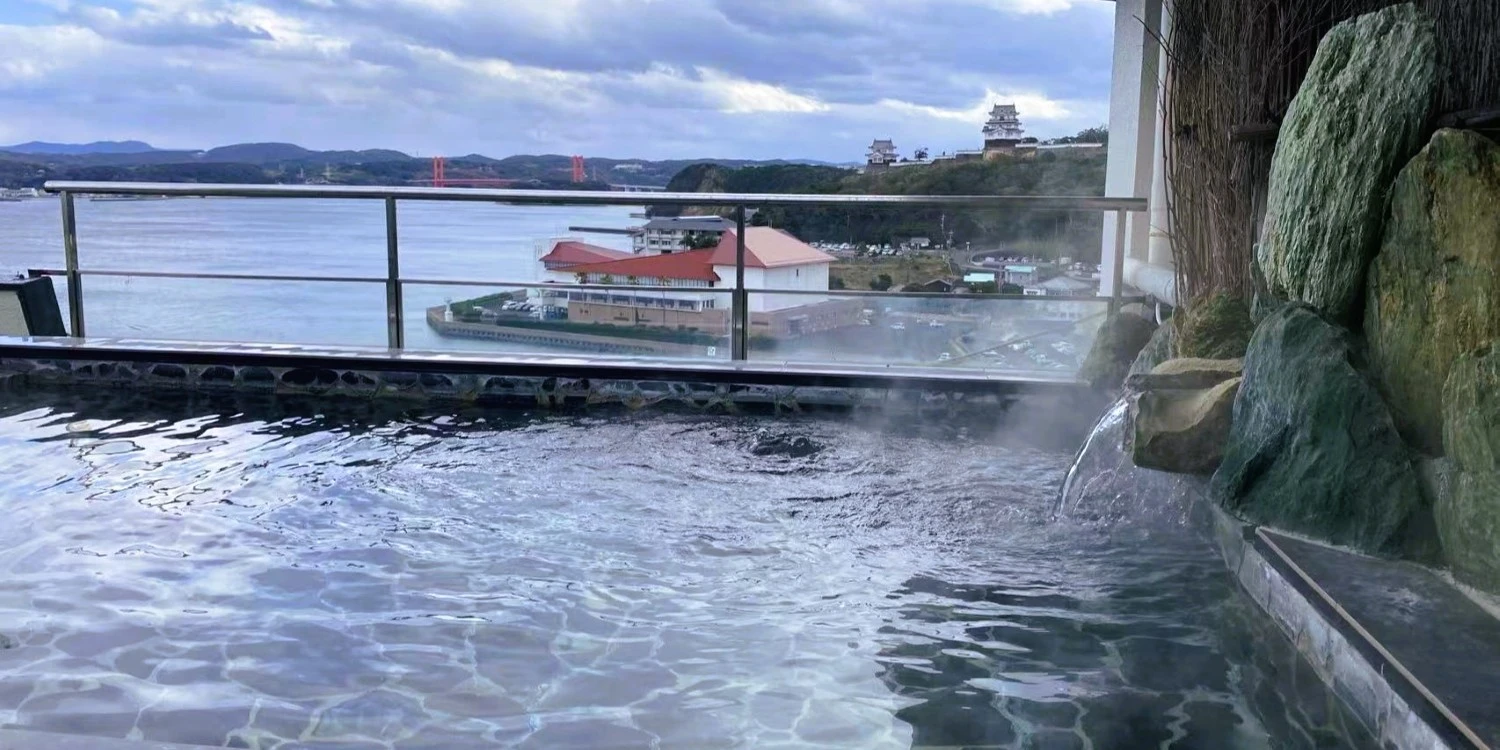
[31, 164]
[1046, 173]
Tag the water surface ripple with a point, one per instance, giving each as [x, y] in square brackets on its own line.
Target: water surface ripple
[265, 573]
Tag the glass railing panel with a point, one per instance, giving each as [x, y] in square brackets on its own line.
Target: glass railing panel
[278, 236]
[564, 319]
[219, 310]
[499, 241]
[1033, 336]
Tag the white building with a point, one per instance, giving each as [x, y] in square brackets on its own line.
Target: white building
[1061, 286]
[1004, 124]
[666, 235]
[695, 284]
[882, 153]
[775, 260]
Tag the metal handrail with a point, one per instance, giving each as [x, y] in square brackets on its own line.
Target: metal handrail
[394, 283]
[596, 197]
[843, 293]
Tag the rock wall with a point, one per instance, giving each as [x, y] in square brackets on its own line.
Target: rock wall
[1358, 117]
[1434, 289]
[1312, 447]
[1468, 506]
[1217, 327]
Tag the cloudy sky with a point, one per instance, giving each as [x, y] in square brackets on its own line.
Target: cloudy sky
[623, 78]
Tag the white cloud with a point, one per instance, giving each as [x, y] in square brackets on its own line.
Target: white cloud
[630, 78]
[739, 96]
[1030, 6]
[1032, 106]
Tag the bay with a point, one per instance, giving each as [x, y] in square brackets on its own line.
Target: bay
[293, 237]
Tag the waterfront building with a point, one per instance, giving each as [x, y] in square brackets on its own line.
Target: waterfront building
[1062, 286]
[1026, 274]
[671, 234]
[694, 286]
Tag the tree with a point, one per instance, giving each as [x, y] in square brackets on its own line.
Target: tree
[835, 282]
[882, 282]
[701, 240]
[1009, 288]
[1096, 134]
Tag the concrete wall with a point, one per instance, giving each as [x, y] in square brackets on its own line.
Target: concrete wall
[791, 322]
[812, 278]
[714, 321]
[786, 322]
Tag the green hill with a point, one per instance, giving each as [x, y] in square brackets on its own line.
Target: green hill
[30, 164]
[1047, 173]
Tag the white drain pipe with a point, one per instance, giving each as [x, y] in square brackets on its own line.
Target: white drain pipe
[1156, 280]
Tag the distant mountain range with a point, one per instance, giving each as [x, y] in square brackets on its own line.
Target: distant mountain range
[30, 164]
[97, 147]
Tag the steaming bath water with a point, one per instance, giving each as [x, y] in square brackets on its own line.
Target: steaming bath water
[292, 574]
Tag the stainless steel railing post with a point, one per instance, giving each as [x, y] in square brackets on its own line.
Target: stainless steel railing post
[70, 261]
[740, 305]
[1119, 269]
[395, 331]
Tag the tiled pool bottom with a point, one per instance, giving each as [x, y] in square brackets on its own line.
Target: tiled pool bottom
[263, 574]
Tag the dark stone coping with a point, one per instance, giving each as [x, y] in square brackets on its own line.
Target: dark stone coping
[21, 739]
[1412, 657]
[766, 372]
[1436, 645]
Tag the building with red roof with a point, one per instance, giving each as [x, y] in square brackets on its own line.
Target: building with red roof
[689, 268]
[565, 253]
[696, 285]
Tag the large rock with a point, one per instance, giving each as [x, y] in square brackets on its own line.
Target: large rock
[1357, 119]
[1182, 430]
[1434, 289]
[1119, 340]
[1186, 373]
[1312, 447]
[1468, 508]
[1161, 347]
[1215, 327]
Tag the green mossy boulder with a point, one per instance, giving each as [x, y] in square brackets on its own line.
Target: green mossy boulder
[1312, 447]
[1358, 117]
[1216, 327]
[1434, 289]
[1468, 508]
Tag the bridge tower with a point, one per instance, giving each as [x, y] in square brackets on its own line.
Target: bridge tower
[578, 175]
[439, 165]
